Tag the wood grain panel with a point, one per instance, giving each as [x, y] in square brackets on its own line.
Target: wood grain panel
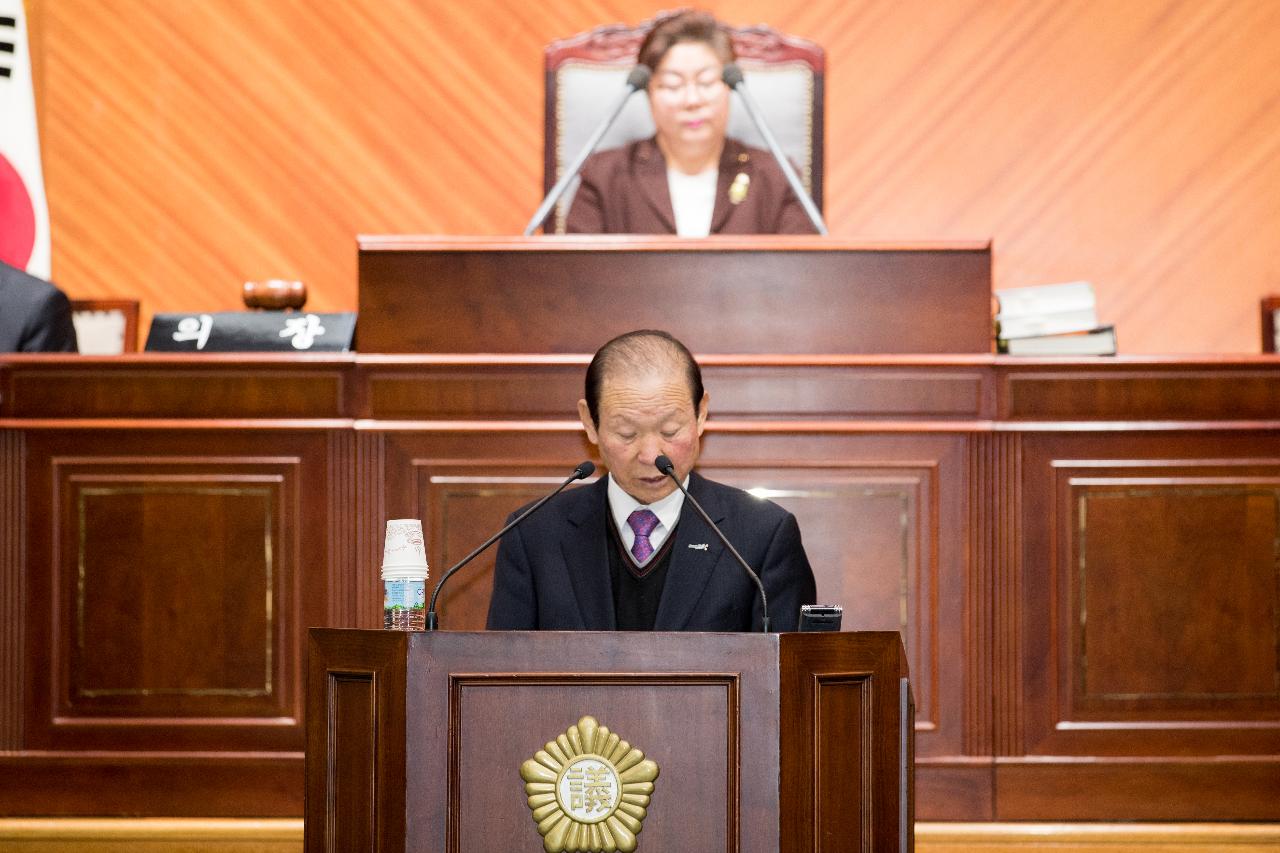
[123, 390]
[1170, 622]
[1120, 394]
[151, 546]
[686, 724]
[1226, 788]
[842, 762]
[344, 578]
[1131, 144]
[371, 517]
[160, 565]
[353, 774]
[549, 389]
[1156, 633]
[568, 295]
[153, 783]
[12, 596]
[862, 807]
[870, 534]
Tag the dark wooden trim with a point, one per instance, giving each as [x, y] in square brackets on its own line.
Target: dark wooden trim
[1270, 308]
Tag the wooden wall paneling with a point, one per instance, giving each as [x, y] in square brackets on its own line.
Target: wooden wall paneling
[770, 387]
[418, 389]
[847, 391]
[371, 518]
[341, 526]
[169, 576]
[12, 586]
[1180, 532]
[164, 542]
[197, 386]
[1133, 390]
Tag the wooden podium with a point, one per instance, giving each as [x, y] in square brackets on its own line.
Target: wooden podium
[763, 743]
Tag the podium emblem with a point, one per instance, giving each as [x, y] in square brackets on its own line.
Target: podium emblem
[589, 790]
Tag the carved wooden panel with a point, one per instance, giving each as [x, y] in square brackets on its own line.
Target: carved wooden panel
[170, 577]
[352, 717]
[688, 725]
[210, 386]
[841, 761]
[548, 388]
[1173, 621]
[159, 564]
[12, 593]
[1151, 595]
[1120, 392]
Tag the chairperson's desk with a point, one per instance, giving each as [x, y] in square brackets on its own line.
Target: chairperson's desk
[796, 295]
[1079, 556]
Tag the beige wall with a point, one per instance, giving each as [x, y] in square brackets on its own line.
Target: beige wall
[191, 144]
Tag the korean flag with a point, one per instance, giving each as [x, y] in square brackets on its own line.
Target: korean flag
[24, 215]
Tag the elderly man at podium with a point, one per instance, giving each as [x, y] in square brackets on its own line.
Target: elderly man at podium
[628, 552]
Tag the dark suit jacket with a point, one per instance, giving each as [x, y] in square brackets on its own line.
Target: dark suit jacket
[624, 191]
[553, 570]
[34, 315]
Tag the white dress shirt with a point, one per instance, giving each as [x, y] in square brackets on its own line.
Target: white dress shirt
[693, 200]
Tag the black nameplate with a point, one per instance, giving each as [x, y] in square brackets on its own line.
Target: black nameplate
[256, 331]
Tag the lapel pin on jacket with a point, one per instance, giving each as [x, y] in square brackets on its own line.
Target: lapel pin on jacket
[702, 546]
[738, 189]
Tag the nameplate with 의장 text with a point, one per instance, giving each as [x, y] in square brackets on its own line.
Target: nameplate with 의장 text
[252, 331]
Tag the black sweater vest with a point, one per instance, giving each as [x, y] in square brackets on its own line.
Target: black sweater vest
[637, 591]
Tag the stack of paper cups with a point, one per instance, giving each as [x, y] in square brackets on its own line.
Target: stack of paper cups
[404, 576]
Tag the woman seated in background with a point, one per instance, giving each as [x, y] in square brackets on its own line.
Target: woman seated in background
[689, 179]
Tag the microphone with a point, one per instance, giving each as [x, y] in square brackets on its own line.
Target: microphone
[664, 465]
[733, 78]
[586, 469]
[636, 80]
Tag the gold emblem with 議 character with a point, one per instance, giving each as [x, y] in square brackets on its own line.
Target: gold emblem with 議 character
[589, 790]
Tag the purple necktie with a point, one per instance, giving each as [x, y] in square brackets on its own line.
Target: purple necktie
[642, 521]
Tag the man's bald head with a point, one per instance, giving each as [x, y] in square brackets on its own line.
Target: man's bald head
[641, 353]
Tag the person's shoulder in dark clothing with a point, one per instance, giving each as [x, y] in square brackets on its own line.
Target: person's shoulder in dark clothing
[35, 316]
